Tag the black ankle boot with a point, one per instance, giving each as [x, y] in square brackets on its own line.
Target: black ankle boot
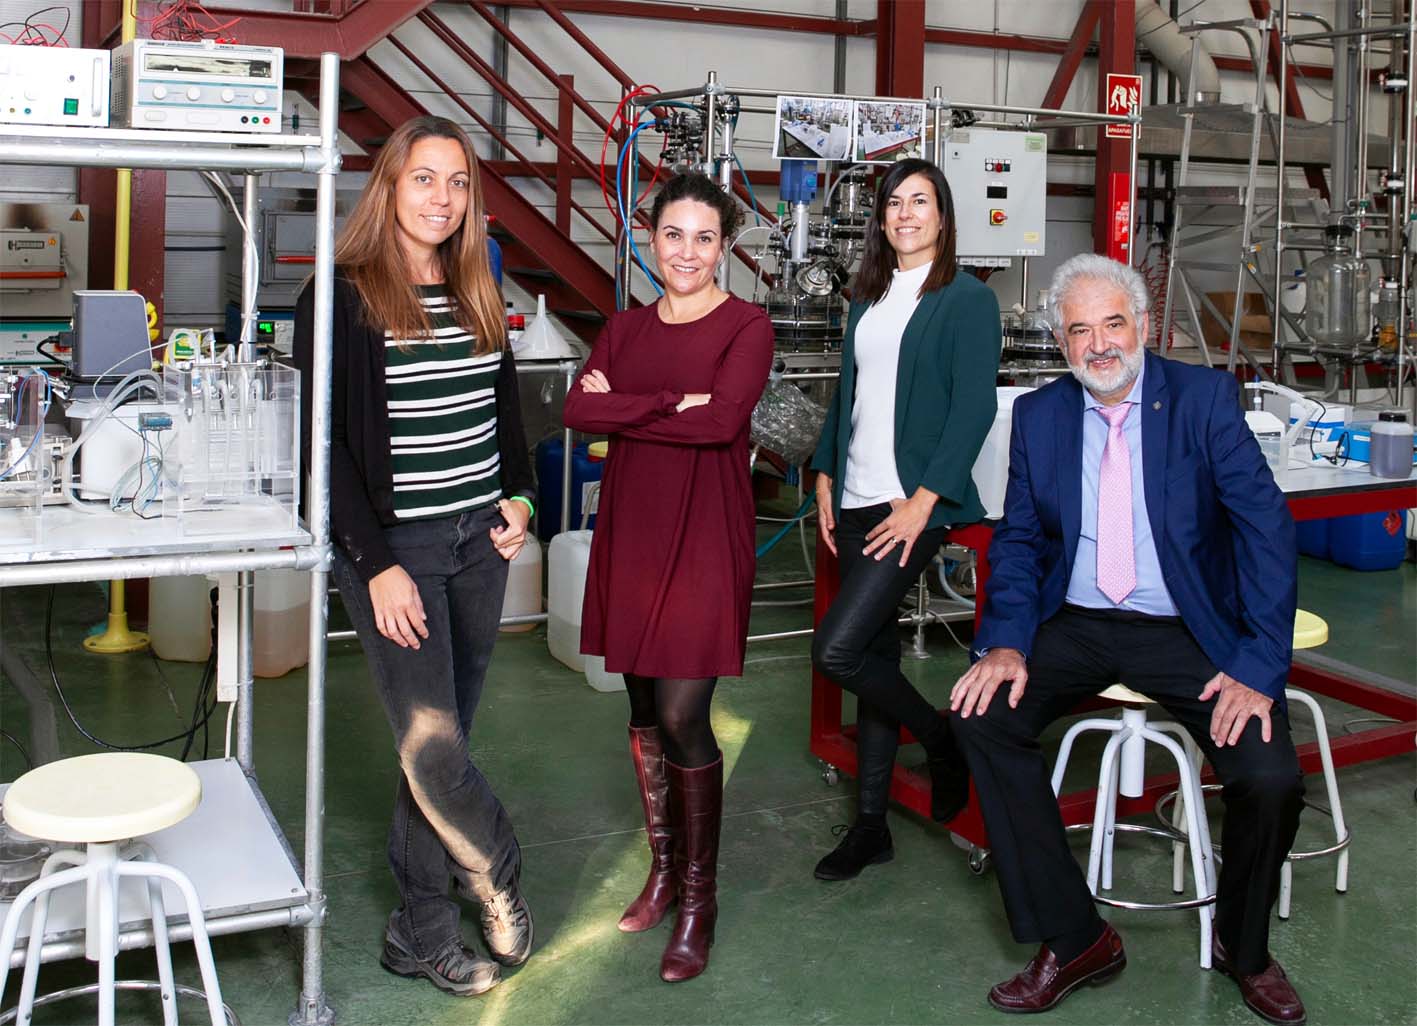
[859, 847]
[949, 775]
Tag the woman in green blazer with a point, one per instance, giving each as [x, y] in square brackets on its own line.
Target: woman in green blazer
[913, 405]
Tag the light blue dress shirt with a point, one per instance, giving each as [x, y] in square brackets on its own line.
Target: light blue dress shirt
[1150, 595]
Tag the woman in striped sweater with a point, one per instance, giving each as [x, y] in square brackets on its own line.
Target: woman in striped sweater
[431, 490]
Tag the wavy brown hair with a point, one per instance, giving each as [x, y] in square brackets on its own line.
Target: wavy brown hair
[369, 255]
[878, 258]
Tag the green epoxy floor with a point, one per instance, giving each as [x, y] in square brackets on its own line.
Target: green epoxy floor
[919, 940]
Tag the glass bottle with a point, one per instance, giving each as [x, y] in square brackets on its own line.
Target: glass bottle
[1338, 309]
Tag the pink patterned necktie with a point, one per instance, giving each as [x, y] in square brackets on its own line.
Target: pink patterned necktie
[1116, 556]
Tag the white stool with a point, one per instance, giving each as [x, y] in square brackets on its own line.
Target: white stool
[1123, 771]
[102, 801]
[1310, 631]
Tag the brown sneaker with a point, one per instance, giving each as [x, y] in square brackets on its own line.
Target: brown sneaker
[1268, 994]
[1043, 982]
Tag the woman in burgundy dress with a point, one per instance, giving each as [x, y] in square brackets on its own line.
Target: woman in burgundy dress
[672, 561]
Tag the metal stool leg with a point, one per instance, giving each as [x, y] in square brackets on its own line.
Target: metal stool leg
[1106, 787]
[1110, 827]
[1340, 828]
[1197, 831]
[161, 946]
[10, 932]
[38, 924]
[1065, 749]
[200, 941]
[103, 913]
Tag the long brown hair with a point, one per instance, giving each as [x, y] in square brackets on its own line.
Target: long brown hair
[370, 257]
[878, 258]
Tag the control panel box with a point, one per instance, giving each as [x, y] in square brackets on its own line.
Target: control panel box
[197, 87]
[1000, 184]
[54, 85]
[20, 340]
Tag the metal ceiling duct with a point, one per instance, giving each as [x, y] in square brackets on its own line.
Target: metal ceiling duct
[1163, 38]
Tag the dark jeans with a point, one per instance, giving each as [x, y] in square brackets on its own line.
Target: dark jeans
[857, 645]
[1076, 654]
[447, 822]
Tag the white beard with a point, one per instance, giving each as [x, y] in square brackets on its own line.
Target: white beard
[1128, 367]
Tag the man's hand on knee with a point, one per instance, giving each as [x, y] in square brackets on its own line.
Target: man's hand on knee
[1237, 703]
[974, 691]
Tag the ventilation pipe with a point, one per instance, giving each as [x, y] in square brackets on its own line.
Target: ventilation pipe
[1163, 38]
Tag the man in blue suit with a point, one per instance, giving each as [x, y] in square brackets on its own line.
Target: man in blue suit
[1143, 542]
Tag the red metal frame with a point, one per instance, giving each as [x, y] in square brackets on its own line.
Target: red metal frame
[900, 48]
[1117, 48]
[532, 241]
[834, 742]
[350, 34]
[97, 187]
[1076, 49]
[1293, 102]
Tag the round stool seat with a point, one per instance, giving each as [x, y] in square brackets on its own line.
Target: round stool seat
[112, 796]
[1310, 630]
[1122, 693]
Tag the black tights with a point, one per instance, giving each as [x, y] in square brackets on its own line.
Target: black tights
[680, 709]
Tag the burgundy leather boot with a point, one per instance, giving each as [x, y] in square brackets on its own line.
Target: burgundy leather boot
[660, 890]
[696, 796]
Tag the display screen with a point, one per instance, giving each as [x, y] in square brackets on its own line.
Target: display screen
[202, 64]
[997, 191]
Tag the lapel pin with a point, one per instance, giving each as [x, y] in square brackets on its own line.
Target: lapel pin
[1156, 405]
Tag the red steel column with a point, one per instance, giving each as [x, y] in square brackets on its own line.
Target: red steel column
[900, 47]
[1117, 48]
[97, 186]
[565, 125]
[1072, 57]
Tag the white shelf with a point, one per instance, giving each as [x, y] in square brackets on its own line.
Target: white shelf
[229, 847]
[68, 534]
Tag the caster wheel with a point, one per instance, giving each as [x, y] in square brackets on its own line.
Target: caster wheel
[980, 861]
[830, 776]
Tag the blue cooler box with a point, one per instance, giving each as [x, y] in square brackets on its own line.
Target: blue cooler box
[1313, 537]
[1368, 541]
[1353, 441]
[584, 473]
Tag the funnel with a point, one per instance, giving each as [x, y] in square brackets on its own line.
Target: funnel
[541, 340]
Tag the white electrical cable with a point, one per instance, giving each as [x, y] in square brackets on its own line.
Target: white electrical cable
[230, 711]
[248, 311]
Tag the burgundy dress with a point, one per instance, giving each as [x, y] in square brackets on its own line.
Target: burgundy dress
[672, 560]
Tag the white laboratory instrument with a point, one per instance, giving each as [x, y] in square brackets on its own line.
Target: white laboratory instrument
[1277, 437]
[54, 85]
[197, 87]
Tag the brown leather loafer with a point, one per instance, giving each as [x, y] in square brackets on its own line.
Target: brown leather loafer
[1268, 994]
[1043, 982]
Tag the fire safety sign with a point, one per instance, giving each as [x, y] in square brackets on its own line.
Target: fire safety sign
[1123, 97]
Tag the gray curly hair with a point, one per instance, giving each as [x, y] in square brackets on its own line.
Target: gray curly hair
[1095, 266]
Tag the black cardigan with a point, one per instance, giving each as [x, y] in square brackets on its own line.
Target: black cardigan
[361, 467]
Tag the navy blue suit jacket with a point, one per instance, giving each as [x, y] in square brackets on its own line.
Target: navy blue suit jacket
[1223, 531]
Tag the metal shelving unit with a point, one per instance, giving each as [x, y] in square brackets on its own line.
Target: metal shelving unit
[232, 847]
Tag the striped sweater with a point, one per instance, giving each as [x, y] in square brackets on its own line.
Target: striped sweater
[442, 400]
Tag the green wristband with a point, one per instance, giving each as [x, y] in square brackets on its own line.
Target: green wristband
[530, 509]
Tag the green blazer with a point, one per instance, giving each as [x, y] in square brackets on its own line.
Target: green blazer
[944, 399]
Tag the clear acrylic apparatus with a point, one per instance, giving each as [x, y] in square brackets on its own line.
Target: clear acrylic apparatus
[232, 462]
[26, 472]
